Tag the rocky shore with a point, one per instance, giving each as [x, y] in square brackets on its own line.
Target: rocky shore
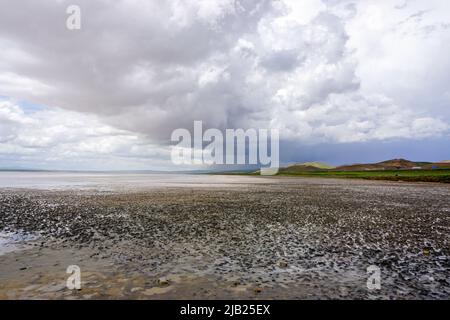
[286, 239]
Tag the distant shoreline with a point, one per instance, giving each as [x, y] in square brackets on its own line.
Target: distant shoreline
[437, 175]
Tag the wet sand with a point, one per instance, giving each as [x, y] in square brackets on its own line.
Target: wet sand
[245, 238]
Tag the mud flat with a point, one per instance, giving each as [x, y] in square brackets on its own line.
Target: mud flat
[280, 238]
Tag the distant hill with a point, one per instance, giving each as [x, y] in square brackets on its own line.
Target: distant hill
[394, 164]
[319, 165]
[389, 170]
[307, 166]
[388, 165]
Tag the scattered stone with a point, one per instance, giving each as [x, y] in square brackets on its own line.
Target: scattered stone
[258, 290]
[163, 281]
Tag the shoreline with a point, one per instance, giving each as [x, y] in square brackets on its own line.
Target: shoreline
[413, 176]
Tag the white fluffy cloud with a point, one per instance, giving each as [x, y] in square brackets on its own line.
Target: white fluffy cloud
[354, 118]
[330, 71]
[68, 139]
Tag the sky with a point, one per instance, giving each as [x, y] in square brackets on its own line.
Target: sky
[343, 81]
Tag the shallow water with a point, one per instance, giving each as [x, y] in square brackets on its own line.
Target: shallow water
[118, 181]
[11, 241]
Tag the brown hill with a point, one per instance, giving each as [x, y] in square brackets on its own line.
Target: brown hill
[394, 164]
[300, 168]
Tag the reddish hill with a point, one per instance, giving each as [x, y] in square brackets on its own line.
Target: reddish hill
[394, 164]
